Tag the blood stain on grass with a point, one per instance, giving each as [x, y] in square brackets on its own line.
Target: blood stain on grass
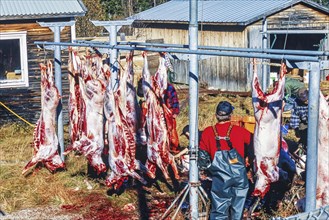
[96, 206]
[158, 205]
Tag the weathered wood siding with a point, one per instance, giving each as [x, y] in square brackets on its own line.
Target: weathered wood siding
[297, 17]
[25, 101]
[254, 41]
[230, 73]
[300, 17]
[225, 73]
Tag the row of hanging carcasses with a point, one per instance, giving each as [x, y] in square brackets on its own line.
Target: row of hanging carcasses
[107, 120]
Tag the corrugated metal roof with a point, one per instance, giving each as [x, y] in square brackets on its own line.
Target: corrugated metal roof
[13, 9]
[219, 11]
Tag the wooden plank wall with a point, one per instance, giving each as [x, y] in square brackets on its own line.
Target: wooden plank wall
[230, 73]
[225, 73]
[255, 41]
[298, 16]
[25, 101]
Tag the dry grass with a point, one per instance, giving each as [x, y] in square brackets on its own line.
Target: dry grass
[16, 190]
[207, 108]
[68, 187]
[40, 188]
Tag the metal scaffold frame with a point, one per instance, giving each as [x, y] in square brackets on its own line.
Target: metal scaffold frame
[57, 28]
[313, 63]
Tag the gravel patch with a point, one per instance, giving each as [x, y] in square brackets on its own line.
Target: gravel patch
[49, 213]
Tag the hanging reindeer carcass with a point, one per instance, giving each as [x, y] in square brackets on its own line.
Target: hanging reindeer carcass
[45, 138]
[158, 141]
[120, 112]
[267, 136]
[74, 97]
[322, 189]
[92, 86]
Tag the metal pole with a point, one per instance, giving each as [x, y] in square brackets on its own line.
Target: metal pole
[274, 51]
[58, 83]
[73, 33]
[112, 27]
[193, 109]
[264, 41]
[312, 136]
[114, 57]
[187, 51]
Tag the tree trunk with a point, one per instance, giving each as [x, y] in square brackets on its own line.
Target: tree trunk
[123, 5]
[130, 7]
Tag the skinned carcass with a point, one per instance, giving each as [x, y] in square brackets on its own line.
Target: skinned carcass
[45, 139]
[129, 99]
[160, 82]
[322, 190]
[74, 98]
[132, 111]
[92, 89]
[267, 136]
[121, 124]
[158, 138]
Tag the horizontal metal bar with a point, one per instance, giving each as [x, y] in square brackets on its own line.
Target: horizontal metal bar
[187, 51]
[113, 23]
[56, 24]
[299, 65]
[296, 32]
[274, 51]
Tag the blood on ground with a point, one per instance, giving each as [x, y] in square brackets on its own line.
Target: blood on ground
[96, 206]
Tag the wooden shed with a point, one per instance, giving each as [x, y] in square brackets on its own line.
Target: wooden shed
[19, 57]
[291, 24]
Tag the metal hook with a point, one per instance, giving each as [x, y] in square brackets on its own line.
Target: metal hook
[45, 54]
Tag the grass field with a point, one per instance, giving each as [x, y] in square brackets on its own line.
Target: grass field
[68, 190]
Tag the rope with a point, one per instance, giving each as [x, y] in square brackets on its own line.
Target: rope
[195, 184]
[12, 118]
[122, 67]
[266, 63]
[45, 54]
[11, 111]
[288, 27]
[201, 26]
[286, 37]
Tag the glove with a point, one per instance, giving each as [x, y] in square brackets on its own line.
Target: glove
[204, 161]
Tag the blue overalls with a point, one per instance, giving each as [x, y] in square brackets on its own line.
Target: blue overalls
[229, 182]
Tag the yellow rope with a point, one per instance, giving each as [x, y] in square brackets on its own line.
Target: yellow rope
[267, 63]
[16, 115]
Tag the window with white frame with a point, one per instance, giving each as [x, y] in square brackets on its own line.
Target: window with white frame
[13, 60]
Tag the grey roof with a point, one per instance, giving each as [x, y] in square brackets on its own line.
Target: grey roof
[27, 9]
[242, 12]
